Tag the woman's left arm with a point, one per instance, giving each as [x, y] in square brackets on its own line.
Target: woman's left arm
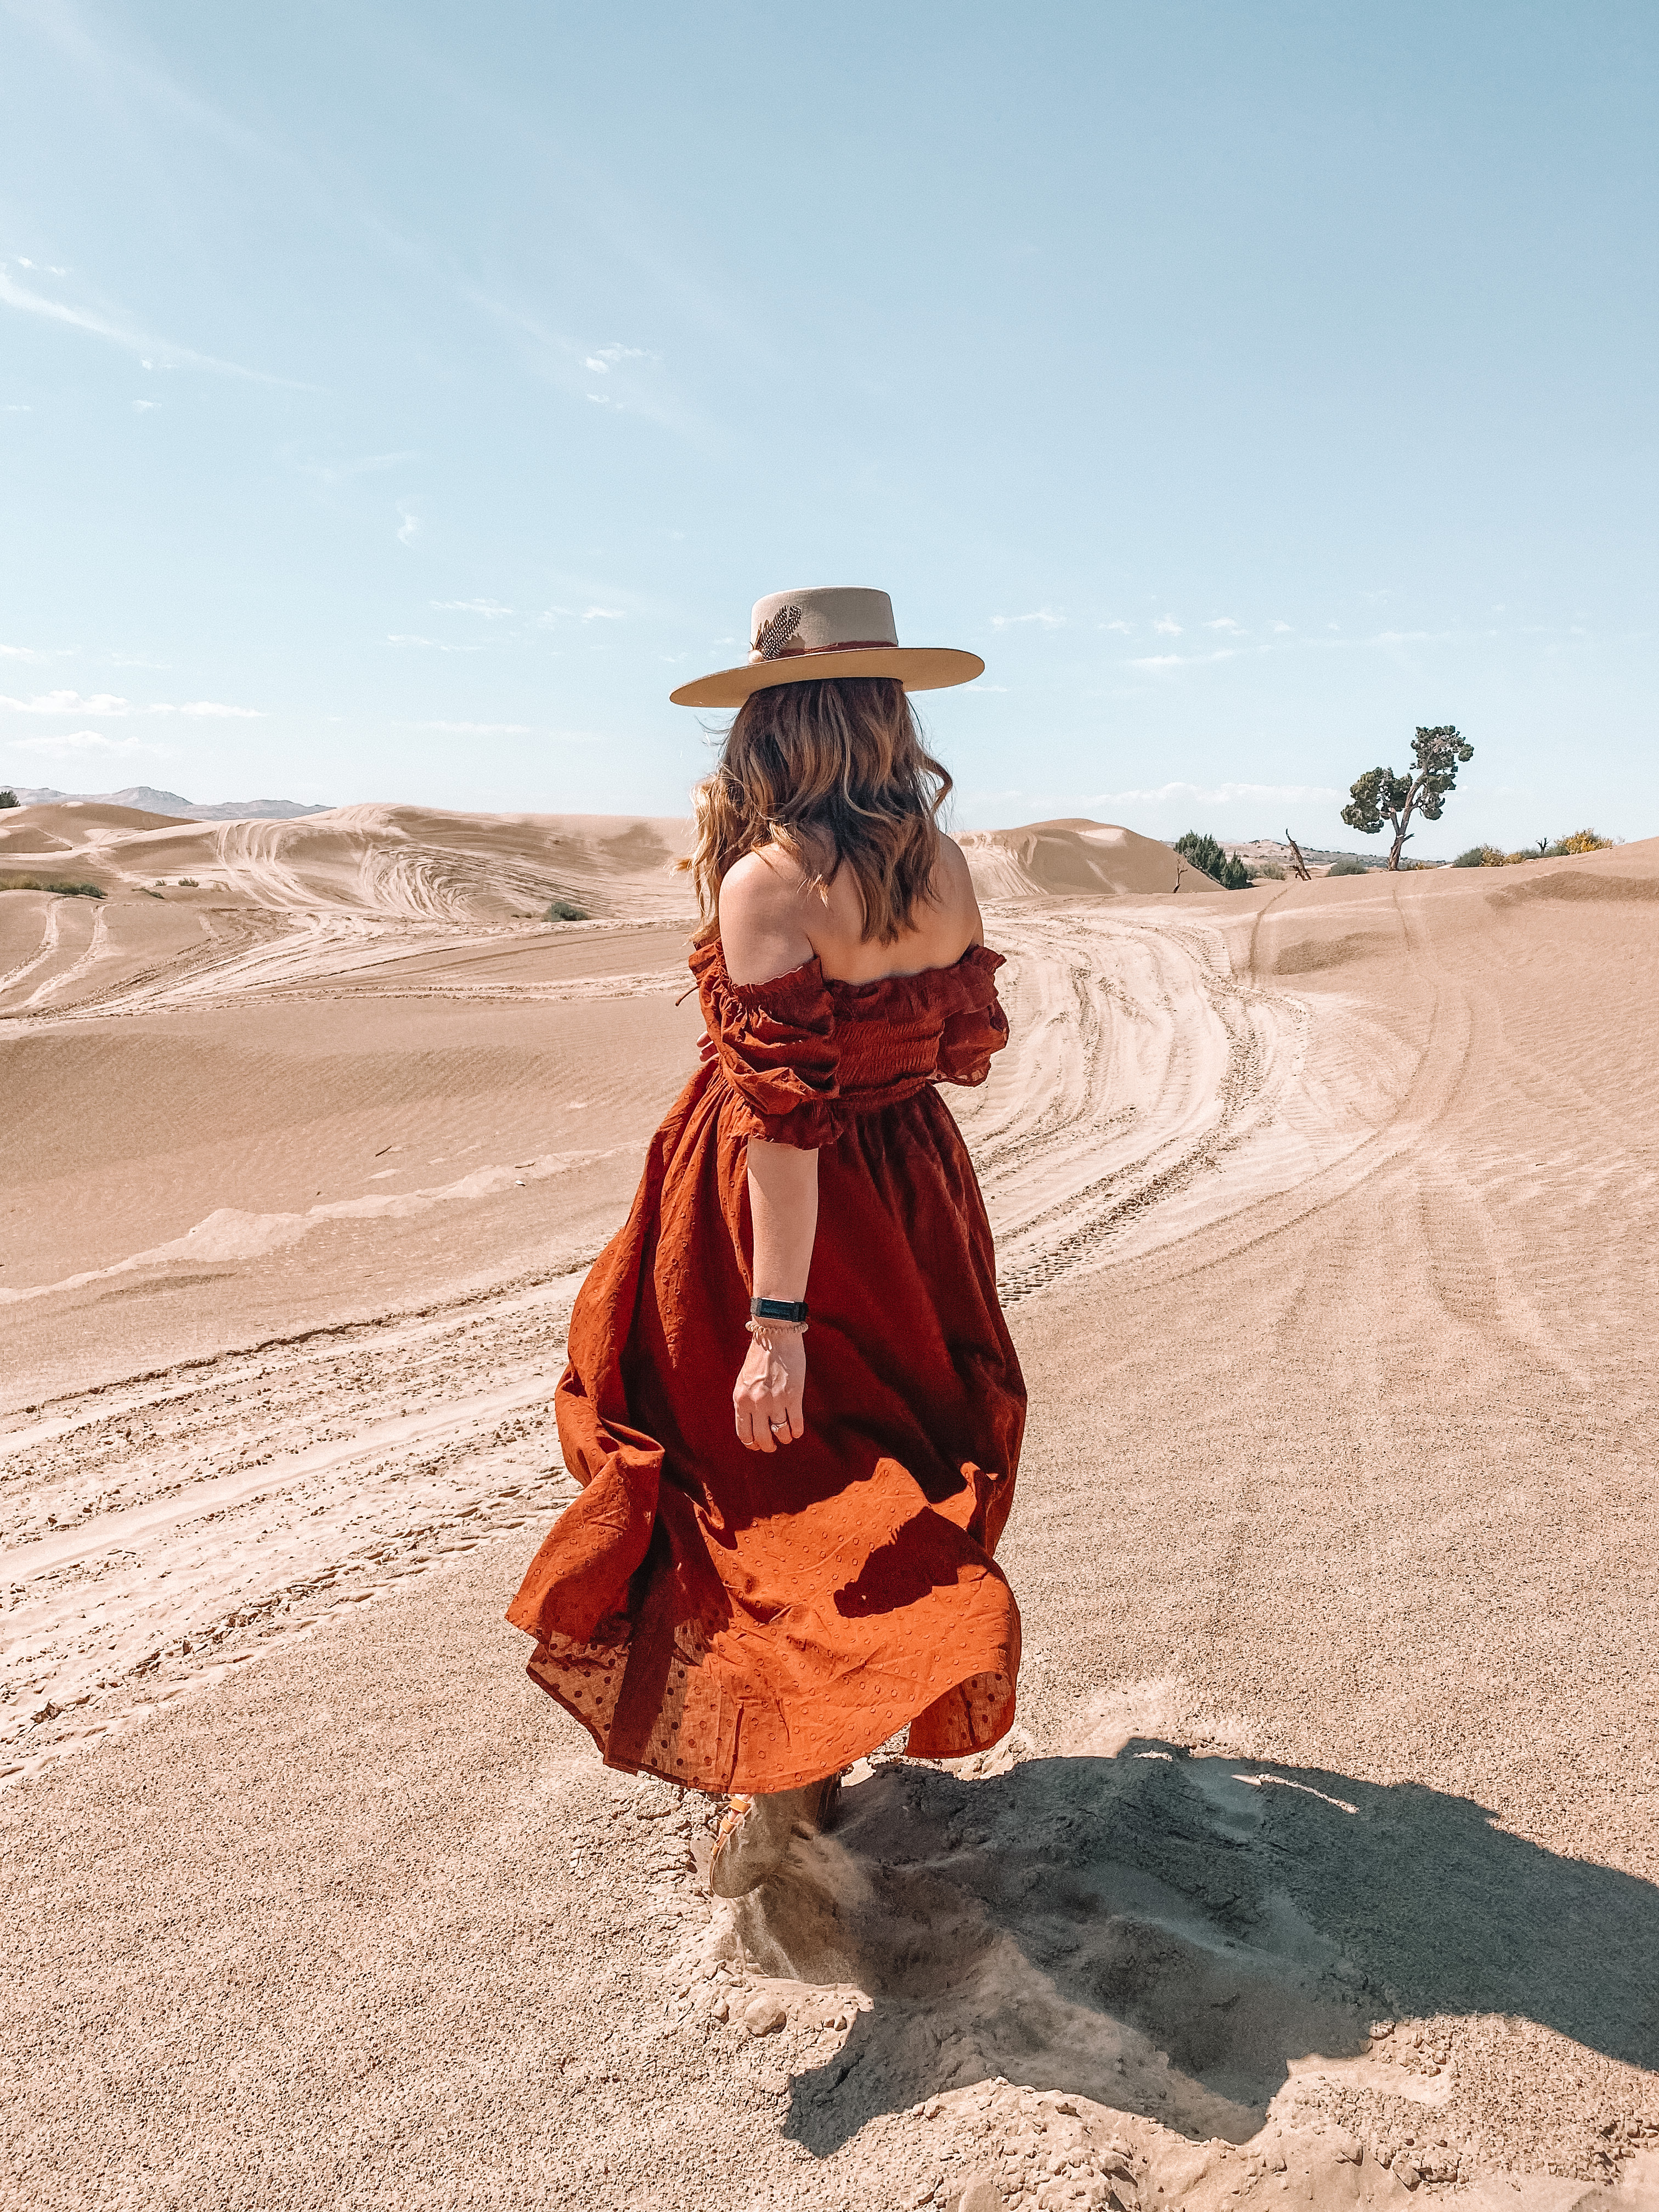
[783, 1206]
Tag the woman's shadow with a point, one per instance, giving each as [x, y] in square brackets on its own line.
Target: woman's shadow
[1166, 1933]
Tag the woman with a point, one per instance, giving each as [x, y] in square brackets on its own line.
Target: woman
[765, 1577]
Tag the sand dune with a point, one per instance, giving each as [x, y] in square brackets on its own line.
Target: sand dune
[1061, 859]
[1325, 1215]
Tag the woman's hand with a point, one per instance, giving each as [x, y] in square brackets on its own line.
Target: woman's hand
[767, 1394]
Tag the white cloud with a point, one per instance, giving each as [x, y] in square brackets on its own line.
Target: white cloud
[598, 398]
[607, 358]
[491, 610]
[1167, 626]
[603, 614]
[434, 644]
[1221, 794]
[107, 703]
[16, 407]
[19, 652]
[1045, 615]
[409, 528]
[1185, 659]
[145, 406]
[1279, 628]
[1227, 623]
[1122, 627]
[67, 703]
[476, 729]
[85, 741]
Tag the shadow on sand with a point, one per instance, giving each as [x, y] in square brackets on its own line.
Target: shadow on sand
[1165, 1933]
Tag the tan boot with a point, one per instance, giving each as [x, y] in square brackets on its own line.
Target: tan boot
[755, 1833]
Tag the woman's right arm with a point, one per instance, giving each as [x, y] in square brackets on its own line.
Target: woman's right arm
[762, 908]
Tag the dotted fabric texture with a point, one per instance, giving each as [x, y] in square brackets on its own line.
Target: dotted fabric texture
[738, 1620]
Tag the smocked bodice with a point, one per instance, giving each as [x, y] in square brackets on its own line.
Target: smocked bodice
[802, 1052]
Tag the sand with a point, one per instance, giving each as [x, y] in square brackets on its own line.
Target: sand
[1322, 1864]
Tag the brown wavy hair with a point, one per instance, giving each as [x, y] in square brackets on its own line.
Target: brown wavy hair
[835, 772]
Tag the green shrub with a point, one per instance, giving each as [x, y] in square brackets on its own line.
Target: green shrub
[188, 883]
[563, 910]
[1580, 841]
[1349, 864]
[51, 884]
[8, 798]
[1200, 850]
[1479, 856]
[1265, 871]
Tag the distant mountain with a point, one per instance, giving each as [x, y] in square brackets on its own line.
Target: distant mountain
[145, 795]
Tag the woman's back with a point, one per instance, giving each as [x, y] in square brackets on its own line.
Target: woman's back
[773, 920]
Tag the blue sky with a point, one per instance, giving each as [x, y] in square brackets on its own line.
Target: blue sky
[398, 401]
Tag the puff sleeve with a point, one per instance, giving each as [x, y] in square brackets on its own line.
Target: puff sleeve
[775, 1048]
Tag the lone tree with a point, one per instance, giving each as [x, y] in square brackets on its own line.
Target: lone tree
[1382, 796]
[8, 798]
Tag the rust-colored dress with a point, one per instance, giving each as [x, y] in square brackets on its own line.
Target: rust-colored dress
[748, 1620]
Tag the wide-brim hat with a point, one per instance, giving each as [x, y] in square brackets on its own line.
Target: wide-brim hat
[801, 637]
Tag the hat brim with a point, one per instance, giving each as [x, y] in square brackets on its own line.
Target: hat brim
[918, 667]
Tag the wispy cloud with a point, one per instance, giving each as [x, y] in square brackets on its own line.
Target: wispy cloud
[335, 472]
[20, 652]
[1045, 616]
[603, 614]
[1280, 628]
[1227, 623]
[1167, 626]
[145, 406]
[605, 358]
[107, 704]
[411, 526]
[151, 351]
[432, 644]
[1122, 628]
[85, 741]
[491, 610]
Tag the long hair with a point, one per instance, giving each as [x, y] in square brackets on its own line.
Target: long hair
[835, 772]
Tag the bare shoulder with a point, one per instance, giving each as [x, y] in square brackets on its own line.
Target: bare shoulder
[953, 884]
[762, 916]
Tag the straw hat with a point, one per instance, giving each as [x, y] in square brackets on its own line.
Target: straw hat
[799, 637]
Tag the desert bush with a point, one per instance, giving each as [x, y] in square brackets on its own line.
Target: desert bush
[1479, 856]
[1200, 850]
[51, 884]
[8, 798]
[1347, 866]
[1266, 872]
[188, 883]
[1580, 841]
[563, 910]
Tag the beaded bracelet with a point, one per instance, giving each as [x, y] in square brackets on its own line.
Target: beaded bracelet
[762, 1331]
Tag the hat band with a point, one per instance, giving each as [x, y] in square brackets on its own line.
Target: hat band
[794, 652]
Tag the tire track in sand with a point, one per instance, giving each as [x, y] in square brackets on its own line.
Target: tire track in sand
[161, 1529]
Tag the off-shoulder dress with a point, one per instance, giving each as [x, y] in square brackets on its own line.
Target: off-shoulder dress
[745, 1620]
